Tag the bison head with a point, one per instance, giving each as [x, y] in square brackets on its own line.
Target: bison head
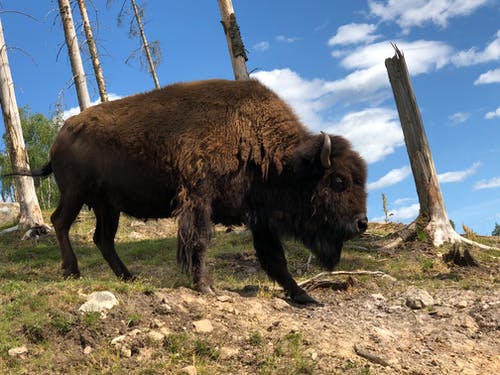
[335, 200]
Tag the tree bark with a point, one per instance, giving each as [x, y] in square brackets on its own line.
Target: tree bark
[432, 217]
[99, 76]
[31, 215]
[234, 42]
[74, 54]
[145, 44]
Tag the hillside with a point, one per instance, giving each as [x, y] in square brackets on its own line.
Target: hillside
[418, 315]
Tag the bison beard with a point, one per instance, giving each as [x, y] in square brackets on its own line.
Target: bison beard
[216, 151]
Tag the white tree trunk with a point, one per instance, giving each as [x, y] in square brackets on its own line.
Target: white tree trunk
[234, 42]
[74, 54]
[432, 214]
[31, 214]
[99, 76]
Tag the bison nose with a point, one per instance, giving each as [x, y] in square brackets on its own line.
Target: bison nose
[362, 224]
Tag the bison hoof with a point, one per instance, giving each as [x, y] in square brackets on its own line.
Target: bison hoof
[71, 274]
[305, 299]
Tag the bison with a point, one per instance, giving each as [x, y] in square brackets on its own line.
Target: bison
[215, 151]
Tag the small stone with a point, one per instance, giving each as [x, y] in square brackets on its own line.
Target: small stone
[156, 336]
[227, 352]
[279, 304]
[378, 296]
[118, 340]
[135, 332]
[19, 351]
[156, 323]
[99, 302]
[418, 299]
[87, 350]
[462, 304]
[189, 370]
[203, 326]
[224, 299]
[314, 356]
[126, 352]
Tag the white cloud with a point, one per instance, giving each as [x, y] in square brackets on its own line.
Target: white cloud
[402, 201]
[354, 33]
[285, 39]
[492, 115]
[457, 176]
[410, 13]
[459, 117]
[76, 110]
[487, 184]
[261, 46]
[391, 178]
[491, 76]
[374, 132]
[401, 214]
[472, 56]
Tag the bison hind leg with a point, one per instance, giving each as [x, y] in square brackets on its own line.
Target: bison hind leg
[63, 217]
[192, 241]
[107, 219]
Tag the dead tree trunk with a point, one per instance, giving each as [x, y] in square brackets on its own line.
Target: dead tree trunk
[74, 54]
[235, 44]
[99, 76]
[145, 44]
[31, 215]
[432, 218]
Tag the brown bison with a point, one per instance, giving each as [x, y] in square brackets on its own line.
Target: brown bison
[206, 152]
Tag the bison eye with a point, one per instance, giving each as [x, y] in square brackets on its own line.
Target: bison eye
[338, 183]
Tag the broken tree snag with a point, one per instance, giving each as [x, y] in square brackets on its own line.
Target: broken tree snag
[432, 218]
[460, 256]
[432, 210]
[234, 42]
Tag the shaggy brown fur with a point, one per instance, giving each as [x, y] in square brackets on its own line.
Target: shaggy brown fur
[209, 151]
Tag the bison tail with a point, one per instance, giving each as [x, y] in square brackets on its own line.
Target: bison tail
[42, 172]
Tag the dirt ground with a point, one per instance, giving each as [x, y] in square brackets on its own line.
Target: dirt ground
[368, 324]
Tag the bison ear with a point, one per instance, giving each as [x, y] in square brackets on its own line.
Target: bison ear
[311, 157]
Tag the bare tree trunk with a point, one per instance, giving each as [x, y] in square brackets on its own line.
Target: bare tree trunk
[145, 44]
[74, 54]
[93, 52]
[432, 218]
[234, 42]
[31, 215]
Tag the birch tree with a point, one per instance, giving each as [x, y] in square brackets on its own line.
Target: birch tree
[24, 187]
[94, 56]
[74, 54]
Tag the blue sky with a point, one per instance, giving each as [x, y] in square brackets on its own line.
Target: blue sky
[326, 58]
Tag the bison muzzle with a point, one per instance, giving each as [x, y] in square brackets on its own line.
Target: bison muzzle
[229, 152]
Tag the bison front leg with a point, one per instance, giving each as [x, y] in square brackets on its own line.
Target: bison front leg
[272, 259]
[192, 242]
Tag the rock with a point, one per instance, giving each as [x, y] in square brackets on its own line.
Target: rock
[118, 340]
[418, 299]
[156, 335]
[227, 352]
[224, 299]
[203, 326]
[279, 304]
[99, 302]
[378, 296]
[20, 351]
[87, 350]
[9, 213]
[314, 356]
[126, 352]
[189, 370]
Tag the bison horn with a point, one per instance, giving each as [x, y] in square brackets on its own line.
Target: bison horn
[326, 150]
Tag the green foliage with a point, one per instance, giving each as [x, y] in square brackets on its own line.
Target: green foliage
[39, 133]
[496, 230]
[452, 223]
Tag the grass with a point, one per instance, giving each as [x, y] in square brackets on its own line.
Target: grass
[40, 309]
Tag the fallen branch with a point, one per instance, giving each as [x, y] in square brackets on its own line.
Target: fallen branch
[320, 275]
[370, 356]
